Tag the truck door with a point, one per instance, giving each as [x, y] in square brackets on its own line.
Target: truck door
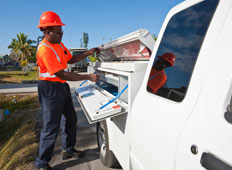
[158, 117]
[206, 141]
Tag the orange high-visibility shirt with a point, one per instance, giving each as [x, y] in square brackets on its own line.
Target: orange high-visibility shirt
[52, 58]
[156, 80]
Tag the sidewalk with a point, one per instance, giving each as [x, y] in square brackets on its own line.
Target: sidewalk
[27, 88]
[30, 87]
[18, 88]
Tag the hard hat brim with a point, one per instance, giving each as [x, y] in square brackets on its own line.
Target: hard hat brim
[50, 25]
[171, 64]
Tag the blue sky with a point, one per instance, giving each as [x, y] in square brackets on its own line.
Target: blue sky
[99, 18]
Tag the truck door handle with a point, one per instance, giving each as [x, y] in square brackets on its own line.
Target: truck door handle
[210, 162]
[228, 113]
[228, 116]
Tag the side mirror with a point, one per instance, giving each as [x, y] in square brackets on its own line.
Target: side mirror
[228, 113]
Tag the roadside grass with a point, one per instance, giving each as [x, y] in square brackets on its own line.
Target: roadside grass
[17, 76]
[18, 145]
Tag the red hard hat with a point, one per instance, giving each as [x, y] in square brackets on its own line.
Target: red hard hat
[169, 57]
[49, 18]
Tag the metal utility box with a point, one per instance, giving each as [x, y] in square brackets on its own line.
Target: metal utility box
[121, 67]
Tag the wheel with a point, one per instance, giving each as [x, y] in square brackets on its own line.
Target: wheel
[106, 155]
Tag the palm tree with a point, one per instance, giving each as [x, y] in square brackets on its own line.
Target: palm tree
[22, 47]
[85, 39]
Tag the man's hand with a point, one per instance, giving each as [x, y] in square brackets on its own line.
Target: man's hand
[79, 57]
[92, 50]
[64, 75]
[93, 77]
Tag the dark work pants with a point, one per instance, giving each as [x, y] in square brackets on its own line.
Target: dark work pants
[57, 108]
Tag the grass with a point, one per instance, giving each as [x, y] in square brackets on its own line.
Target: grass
[12, 102]
[18, 146]
[17, 76]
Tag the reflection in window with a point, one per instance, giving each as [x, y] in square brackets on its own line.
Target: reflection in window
[182, 38]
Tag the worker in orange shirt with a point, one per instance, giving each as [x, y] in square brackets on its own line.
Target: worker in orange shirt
[158, 78]
[54, 93]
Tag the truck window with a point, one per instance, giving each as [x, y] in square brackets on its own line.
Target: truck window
[77, 52]
[178, 51]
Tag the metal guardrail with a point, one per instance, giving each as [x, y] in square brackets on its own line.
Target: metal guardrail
[10, 68]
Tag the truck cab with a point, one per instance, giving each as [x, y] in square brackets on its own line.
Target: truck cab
[187, 123]
[81, 65]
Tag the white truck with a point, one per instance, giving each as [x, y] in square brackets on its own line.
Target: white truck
[81, 65]
[188, 124]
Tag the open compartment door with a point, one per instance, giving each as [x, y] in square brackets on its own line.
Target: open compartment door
[136, 46]
[92, 98]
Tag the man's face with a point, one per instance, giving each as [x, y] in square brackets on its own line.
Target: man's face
[161, 64]
[54, 34]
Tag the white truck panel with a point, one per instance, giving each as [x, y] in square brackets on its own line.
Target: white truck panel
[207, 127]
[119, 126]
[150, 131]
[166, 119]
[127, 66]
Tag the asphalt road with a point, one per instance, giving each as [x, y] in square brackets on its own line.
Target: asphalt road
[86, 134]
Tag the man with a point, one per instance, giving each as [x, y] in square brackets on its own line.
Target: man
[54, 92]
[158, 78]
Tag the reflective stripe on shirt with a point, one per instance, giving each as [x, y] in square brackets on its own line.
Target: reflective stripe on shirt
[58, 58]
[156, 75]
[61, 47]
[47, 74]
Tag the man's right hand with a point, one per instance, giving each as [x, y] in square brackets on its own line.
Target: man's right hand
[93, 77]
[92, 50]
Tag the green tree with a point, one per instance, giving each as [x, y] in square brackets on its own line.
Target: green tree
[85, 39]
[23, 48]
[154, 36]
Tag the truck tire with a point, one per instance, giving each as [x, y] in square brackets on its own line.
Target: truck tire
[106, 155]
